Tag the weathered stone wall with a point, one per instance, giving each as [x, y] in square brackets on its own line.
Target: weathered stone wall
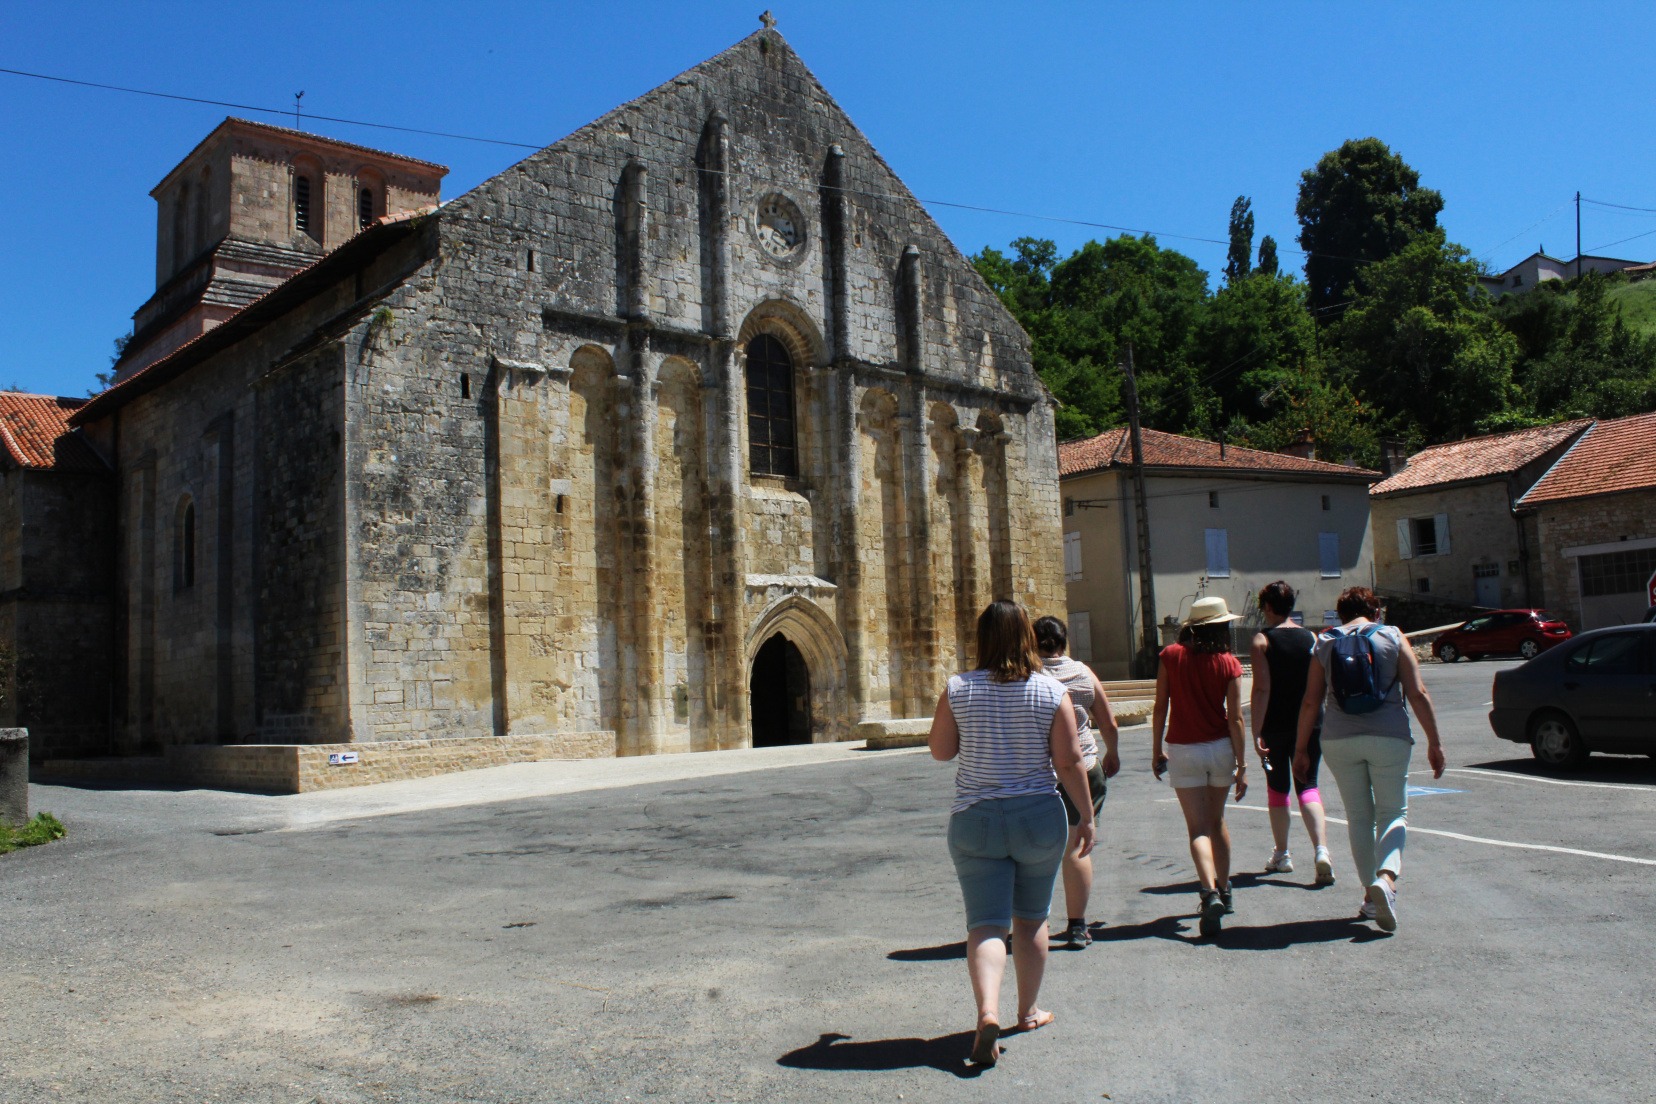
[1482, 531]
[1573, 523]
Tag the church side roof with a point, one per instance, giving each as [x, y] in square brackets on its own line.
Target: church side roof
[36, 434]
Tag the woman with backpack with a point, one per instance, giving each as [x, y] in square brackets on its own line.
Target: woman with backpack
[1198, 683]
[1366, 671]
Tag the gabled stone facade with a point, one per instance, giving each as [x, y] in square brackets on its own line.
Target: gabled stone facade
[568, 456]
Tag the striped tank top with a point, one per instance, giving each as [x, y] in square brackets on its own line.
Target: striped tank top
[1005, 736]
[1077, 678]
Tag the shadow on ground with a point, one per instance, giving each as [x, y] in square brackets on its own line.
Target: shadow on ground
[943, 952]
[1639, 769]
[1238, 881]
[833, 1051]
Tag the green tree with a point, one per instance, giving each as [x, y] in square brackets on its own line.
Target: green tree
[1342, 426]
[1359, 204]
[1267, 256]
[1241, 240]
[1254, 337]
[1578, 358]
[1421, 347]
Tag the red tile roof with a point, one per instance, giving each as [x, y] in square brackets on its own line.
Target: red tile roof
[1614, 455]
[1478, 457]
[36, 434]
[1113, 448]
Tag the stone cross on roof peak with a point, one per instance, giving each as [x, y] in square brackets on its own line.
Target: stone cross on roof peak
[767, 20]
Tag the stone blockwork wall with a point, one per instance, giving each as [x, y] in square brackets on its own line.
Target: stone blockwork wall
[1574, 523]
[1482, 531]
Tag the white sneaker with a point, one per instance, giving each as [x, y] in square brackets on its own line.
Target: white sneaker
[1281, 863]
[1365, 911]
[1325, 868]
[1384, 899]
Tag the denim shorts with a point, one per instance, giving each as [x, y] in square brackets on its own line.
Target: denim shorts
[1006, 852]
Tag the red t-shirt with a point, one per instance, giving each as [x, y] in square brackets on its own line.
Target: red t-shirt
[1196, 683]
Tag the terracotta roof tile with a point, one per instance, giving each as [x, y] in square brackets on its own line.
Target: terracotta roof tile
[1478, 457]
[36, 434]
[1614, 455]
[1169, 450]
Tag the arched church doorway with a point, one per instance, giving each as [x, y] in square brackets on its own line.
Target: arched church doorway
[780, 694]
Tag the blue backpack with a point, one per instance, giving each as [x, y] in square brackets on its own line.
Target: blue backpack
[1351, 672]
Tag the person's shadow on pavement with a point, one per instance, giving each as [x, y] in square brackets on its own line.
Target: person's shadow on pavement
[834, 1051]
[944, 952]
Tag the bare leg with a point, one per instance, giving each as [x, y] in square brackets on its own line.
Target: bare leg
[1198, 814]
[1279, 825]
[1078, 878]
[1029, 956]
[1316, 825]
[986, 962]
[1216, 796]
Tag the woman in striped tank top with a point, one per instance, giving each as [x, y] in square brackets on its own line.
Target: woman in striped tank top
[1013, 729]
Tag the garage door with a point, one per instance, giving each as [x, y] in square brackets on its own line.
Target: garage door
[1613, 587]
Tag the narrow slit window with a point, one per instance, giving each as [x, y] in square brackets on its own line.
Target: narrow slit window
[465, 386]
[365, 207]
[184, 551]
[531, 260]
[302, 204]
[770, 400]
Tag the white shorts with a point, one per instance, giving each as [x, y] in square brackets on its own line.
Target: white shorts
[1209, 764]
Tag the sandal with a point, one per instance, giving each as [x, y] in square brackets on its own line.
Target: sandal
[1034, 1023]
[986, 1045]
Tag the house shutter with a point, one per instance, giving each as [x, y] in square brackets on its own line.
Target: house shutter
[1441, 524]
[1072, 557]
[1405, 547]
[1080, 637]
[1218, 553]
[1328, 554]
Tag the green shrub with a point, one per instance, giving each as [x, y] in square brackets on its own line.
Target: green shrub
[44, 828]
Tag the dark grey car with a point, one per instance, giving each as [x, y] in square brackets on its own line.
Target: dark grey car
[1595, 693]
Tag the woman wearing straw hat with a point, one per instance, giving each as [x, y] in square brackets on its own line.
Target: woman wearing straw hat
[1199, 680]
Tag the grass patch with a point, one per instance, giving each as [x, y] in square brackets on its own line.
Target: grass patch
[1638, 304]
[44, 828]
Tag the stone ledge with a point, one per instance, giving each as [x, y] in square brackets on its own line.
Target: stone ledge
[304, 768]
[897, 733]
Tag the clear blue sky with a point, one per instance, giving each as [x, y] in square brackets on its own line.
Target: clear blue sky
[1152, 116]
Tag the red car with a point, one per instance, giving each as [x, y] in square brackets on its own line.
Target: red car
[1526, 633]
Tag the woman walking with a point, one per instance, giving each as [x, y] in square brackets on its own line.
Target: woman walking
[1364, 673]
[1096, 724]
[1014, 731]
[1198, 680]
[1281, 660]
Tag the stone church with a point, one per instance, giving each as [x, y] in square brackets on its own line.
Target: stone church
[689, 431]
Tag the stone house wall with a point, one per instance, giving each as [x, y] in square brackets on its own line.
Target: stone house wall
[1570, 524]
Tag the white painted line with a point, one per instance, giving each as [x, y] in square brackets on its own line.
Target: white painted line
[1491, 842]
[1503, 775]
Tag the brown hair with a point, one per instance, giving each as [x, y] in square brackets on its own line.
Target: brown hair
[1006, 643]
[1051, 635]
[1278, 597]
[1212, 638]
[1355, 602]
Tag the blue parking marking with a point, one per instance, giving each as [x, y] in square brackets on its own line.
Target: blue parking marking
[1428, 791]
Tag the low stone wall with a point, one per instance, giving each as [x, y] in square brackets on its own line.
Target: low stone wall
[898, 733]
[302, 768]
[14, 776]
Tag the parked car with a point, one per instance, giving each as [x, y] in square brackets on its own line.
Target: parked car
[1525, 632]
[1595, 693]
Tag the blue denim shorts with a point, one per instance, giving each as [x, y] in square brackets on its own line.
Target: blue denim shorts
[1006, 852]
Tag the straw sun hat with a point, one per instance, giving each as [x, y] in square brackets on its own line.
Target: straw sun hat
[1210, 611]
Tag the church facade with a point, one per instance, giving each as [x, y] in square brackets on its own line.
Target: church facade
[690, 431]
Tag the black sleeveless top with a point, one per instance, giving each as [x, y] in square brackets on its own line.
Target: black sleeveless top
[1288, 654]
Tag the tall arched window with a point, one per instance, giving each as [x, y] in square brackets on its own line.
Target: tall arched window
[302, 204]
[770, 402]
[184, 545]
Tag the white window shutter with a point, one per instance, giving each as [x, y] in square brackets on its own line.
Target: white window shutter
[1441, 523]
[1405, 547]
[1072, 557]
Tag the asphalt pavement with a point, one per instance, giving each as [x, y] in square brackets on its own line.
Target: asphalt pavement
[784, 925]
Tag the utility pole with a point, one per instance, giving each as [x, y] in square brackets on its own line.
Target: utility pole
[1578, 235]
[1141, 514]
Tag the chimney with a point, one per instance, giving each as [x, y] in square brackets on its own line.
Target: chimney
[1303, 446]
[1394, 455]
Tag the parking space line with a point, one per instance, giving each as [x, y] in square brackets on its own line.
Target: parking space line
[1504, 776]
[1491, 842]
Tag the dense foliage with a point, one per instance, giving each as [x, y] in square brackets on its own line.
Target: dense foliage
[1390, 333]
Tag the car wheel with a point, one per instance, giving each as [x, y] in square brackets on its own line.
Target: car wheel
[1448, 653]
[1529, 649]
[1555, 742]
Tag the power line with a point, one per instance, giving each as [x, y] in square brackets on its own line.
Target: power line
[1619, 206]
[1607, 245]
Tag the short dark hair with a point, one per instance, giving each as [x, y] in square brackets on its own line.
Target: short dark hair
[1051, 636]
[1278, 597]
[1355, 602]
[1006, 643]
[1210, 637]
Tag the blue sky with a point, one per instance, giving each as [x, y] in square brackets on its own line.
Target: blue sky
[1146, 115]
